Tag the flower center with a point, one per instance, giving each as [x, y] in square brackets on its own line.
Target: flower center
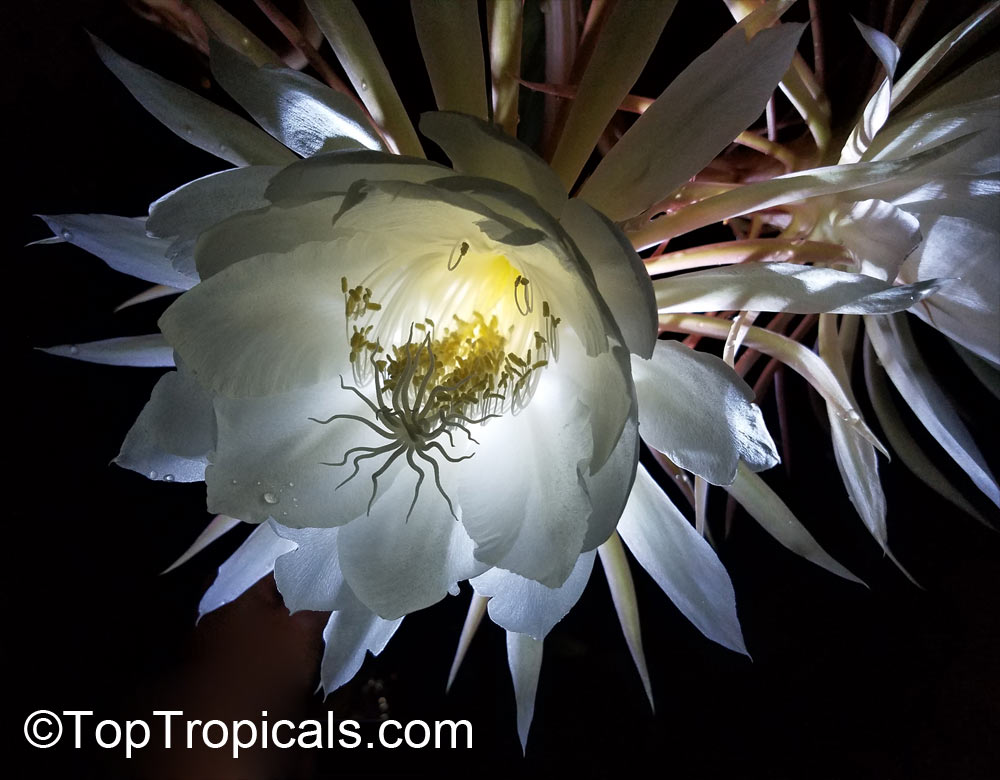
[486, 361]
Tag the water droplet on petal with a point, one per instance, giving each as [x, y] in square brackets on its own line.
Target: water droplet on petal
[67, 235]
[74, 349]
[364, 84]
[168, 477]
[270, 498]
[234, 482]
[291, 484]
[153, 475]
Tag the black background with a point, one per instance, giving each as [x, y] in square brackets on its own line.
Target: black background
[886, 682]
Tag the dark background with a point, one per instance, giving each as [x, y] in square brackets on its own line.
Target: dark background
[888, 682]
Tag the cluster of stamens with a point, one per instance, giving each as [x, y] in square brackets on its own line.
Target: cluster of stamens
[441, 380]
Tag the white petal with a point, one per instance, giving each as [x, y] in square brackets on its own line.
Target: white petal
[790, 287]
[894, 345]
[335, 172]
[195, 119]
[444, 32]
[524, 656]
[713, 100]
[968, 308]
[777, 519]
[251, 561]
[151, 351]
[220, 525]
[309, 576]
[305, 115]
[271, 458]
[194, 207]
[122, 243]
[619, 272]
[265, 325]
[174, 432]
[696, 410]
[619, 576]
[349, 634]
[879, 235]
[609, 488]
[528, 607]
[274, 230]
[523, 495]
[397, 564]
[681, 562]
[877, 110]
[477, 148]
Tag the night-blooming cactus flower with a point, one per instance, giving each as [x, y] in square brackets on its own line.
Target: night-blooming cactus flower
[410, 376]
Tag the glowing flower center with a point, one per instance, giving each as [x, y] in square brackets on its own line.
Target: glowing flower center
[444, 378]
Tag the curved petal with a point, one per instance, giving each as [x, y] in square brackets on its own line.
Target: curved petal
[478, 148]
[681, 562]
[696, 410]
[309, 576]
[609, 488]
[764, 506]
[397, 564]
[879, 235]
[350, 633]
[528, 607]
[523, 494]
[894, 345]
[191, 209]
[252, 560]
[195, 119]
[790, 287]
[265, 325]
[174, 433]
[122, 243]
[273, 458]
[968, 308]
[305, 115]
[335, 172]
[274, 230]
[619, 272]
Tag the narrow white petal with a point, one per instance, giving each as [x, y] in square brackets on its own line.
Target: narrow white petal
[122, 243]
[877, 110]
[305, 115]
[524, 655]
[767, 508]
[897, 351]
[151, 351]
[528, 607]
[195, 119]
[879, 235]
[449, 40]
[696, 410]
[712, 101]
[681, 562]
[220, 525]
[349, 634]
[789, 287]
[616, 569]
[251, 561]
